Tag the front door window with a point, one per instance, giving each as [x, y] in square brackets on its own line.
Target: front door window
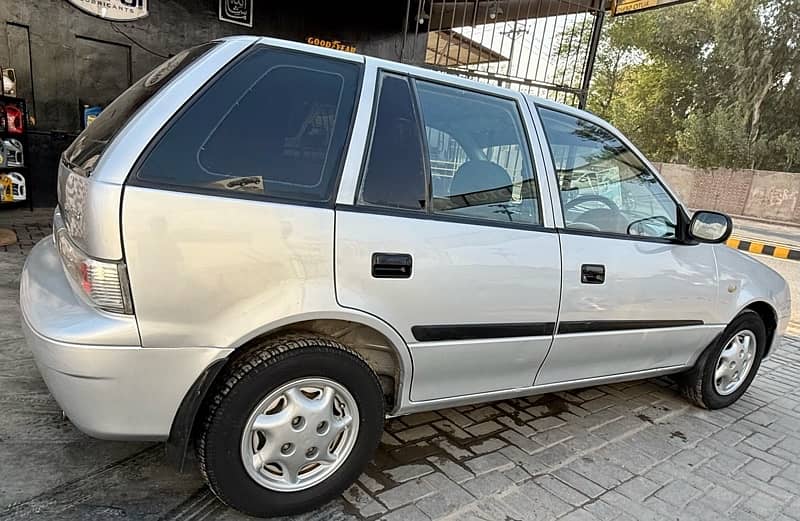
[604, 187]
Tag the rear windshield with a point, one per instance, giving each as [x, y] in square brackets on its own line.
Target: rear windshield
[85, 151]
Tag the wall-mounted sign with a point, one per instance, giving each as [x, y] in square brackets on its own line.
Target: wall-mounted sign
[632, 6]
[236, 12]
[115, 10]
[330, 44]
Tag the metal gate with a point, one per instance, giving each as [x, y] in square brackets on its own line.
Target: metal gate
[540, 47]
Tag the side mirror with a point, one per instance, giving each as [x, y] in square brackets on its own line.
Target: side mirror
[711, 227]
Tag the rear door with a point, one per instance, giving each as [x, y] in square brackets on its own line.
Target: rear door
[447, 239]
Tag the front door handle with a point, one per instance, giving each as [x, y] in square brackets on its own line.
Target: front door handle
[593, 274]
[391, 265]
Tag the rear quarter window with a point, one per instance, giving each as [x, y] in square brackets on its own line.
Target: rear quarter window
[86, 150]
[274, 125]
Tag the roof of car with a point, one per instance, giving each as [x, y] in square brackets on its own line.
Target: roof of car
[361, 58]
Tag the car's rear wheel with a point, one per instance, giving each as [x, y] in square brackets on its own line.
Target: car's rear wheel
[725, 370]
[290, 425]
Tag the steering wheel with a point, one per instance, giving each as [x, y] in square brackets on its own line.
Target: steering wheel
[597, 219]
[611, 205]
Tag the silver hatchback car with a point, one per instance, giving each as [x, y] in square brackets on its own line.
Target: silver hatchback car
[263, 248]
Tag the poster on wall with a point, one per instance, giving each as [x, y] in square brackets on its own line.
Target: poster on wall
[115, 10]
[236, 12]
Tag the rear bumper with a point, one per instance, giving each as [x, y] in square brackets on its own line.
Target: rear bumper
[109, 386]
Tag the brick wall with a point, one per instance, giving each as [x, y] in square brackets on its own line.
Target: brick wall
[773, 196]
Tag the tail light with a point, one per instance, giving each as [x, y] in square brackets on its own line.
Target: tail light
[104, 283]
[15, 121]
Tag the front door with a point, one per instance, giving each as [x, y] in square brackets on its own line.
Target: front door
[446, 240]
[634, 297]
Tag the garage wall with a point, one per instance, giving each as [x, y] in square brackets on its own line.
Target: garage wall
[65, 57]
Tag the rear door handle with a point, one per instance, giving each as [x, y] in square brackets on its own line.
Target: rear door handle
[391, 265]
[593, 274]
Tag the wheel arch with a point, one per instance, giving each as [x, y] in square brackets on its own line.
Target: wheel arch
[376, 342]
[384, 351]
[769, 316]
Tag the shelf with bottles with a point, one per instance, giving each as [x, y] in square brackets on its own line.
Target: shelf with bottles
[14, 185]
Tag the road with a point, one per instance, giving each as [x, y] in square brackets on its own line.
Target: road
[787, 235]
[776, 234]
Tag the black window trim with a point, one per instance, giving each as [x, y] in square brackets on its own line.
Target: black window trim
[681, 217]
[367, 152]
[426, 153]
[427, 213]
[133, 180]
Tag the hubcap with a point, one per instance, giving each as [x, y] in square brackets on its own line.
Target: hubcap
[300, 434]
[734, 362]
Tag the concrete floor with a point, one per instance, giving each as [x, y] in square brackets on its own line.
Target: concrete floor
[626, 451]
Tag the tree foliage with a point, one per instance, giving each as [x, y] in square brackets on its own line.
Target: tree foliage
[710, 82]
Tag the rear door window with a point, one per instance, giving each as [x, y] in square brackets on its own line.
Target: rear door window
[449, 151]
[274, 125]
[483, 166]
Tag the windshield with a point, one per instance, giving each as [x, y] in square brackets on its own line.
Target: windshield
[85, 151]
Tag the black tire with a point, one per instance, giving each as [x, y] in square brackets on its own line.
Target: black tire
[247, 381]
[698, 384]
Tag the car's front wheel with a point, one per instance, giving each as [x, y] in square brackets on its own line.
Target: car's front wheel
[289, 426]
[725, 370]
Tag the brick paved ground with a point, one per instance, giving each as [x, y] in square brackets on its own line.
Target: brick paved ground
[29, 226]
[626, 451]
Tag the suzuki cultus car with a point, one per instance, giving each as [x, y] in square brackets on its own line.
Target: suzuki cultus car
[262, 249]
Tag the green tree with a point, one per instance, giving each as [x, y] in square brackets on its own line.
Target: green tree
[711, 82]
